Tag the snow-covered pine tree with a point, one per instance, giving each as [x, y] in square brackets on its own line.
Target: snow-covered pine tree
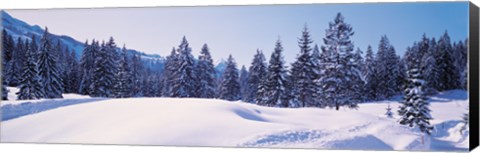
[184, 77]
[6, 51]
[138, 73]
[414, 110]
[104, 74]
[48, 68]
[358, 83]
[86, 67]
[449, 74]
[341, 73]
[257, 72]
[358, 58]
[317, 62]
[72, 75]
[206, 74]
[275, 94]
[304, 72]
[30, 85]
[388, 69]
[170, 67]
[389, 112]
[430, 73]
[20, 55]
[461, 55]
[243, 80]
[8, 46]
[61, 52]
[123, 80]
[13, 70]
[371, 75]
[230, 87]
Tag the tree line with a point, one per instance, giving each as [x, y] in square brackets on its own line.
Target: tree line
[332, 75]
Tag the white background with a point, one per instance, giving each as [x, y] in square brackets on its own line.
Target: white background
[75, 148]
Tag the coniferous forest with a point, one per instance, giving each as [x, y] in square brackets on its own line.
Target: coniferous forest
[333, 74]
[379, 76]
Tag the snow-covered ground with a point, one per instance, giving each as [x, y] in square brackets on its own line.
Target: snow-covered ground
[207, 122]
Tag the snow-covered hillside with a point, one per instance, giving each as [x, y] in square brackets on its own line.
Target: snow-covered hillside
[207, 122]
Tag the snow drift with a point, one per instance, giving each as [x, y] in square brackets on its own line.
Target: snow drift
[209, 122]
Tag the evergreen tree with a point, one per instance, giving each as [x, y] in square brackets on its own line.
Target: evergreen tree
[48, 69]
[388, 68]
[230, 87]
[358, 58]
[86, 67]
[72, 75]
[206, 74]
[371, 75]
[20, 55]
[13, 70]
[341, 77]
[8, 46]
[104, 74]
[429, 68]
[184, 75]
[138, 71]
[257, 72]
[304, 73]
[275, 81]
[449, 74]
[30, 85]
[7, 55]
[389, 112]
[123, 81]
[461, 54]
[243, 83]
[414, 109]
[170, 67]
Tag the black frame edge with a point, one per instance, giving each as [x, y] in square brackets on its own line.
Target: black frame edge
[473, 58]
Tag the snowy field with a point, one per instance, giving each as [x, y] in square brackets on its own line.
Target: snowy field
[206, 122]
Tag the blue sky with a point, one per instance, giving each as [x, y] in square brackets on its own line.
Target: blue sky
[240, 30]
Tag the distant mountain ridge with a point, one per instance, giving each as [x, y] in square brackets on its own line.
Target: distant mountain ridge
[18, 28]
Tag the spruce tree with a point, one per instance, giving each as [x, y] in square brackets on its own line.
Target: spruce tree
[243, 80]
[170, 67]
[184, 76]
[138, 71]
[257, 72]
[429, 68]
[72, 75]
[414, 110]
[275, 82]
[388, 68]
[449, 74]
[104, 74]
[30, 85]
[389, 112]
[8, 46]
[230, 87]
[341, 75]
[304, 72]
[86, 67]
[371, 75]
[123, 81]
[206, 74]
[5, 52]
[48, 69]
